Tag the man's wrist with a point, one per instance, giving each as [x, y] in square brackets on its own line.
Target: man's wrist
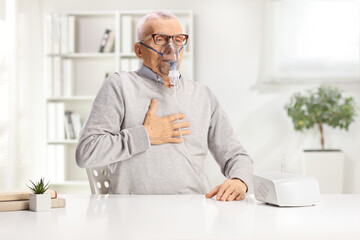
[148, 137]
[246, 187]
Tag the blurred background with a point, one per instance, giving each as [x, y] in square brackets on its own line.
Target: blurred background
[253, 54]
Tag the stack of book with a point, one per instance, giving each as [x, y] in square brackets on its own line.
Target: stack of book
[60, 33]
[73, 125]
[62, 124]
[17, 200]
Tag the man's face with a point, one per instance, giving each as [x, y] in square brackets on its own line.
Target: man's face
[151, 59]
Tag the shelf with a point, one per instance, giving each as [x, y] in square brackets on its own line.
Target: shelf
[71, 98]
[70, 183]
[83, 55]
[64, 141]
[74, 71]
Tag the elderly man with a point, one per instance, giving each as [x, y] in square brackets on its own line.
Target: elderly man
[134, 127]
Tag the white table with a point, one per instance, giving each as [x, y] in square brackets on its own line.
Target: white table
[184, 217]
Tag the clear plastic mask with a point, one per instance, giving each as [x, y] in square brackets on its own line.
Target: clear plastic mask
[170, 58]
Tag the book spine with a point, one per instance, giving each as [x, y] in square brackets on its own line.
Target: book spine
[71, 126]
[55, 34]
[60, 125]
[72, 116]
[24, 205]
[64, 33]
[109, 46]
[126, 36]
[57, 91]
[68, 77]
[67, 131]
[21, 195]
[104, 40]
[71, 34]
[51, 120]
[75, 118]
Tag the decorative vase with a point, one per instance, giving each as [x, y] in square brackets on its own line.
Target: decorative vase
[40, 202]
[327, 166]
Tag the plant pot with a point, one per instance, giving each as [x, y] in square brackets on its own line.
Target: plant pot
[40, 202]
[327, 166]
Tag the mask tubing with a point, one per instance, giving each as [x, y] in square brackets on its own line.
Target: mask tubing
[161, 54]
[155, 50]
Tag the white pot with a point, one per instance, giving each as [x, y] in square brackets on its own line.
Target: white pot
[327, 167]
[40, 202]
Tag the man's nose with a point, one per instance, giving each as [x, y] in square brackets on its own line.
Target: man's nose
[171, 39]
[169, 49]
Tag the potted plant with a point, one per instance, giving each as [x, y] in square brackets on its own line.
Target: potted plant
[39, 200]
[324, 105]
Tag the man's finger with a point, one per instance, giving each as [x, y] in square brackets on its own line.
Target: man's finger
[183, 132]
[180, 125]
[175, 140]
[174, 117]
[227, 192]
[232, 196]
[241, 196]
[152, 107]
[212, 192]
[222, 189]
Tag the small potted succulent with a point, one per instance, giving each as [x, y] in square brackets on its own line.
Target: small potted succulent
[324, 105]
[39, 201]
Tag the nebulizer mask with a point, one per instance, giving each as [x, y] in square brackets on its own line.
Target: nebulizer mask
[171, 56]
[169, 61]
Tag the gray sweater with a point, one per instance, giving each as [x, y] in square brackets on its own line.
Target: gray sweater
[114, 136]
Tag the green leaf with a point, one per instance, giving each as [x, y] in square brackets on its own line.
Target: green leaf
[39, 187]
[325, 104]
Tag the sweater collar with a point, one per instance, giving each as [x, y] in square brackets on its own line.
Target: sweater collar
[151, 74]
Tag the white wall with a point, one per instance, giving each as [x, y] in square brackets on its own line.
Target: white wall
[231, 71]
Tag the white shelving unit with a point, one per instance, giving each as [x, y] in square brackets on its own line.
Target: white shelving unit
[73, 39]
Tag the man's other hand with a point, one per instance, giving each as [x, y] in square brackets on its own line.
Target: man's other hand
[162, 129]
[231, 189]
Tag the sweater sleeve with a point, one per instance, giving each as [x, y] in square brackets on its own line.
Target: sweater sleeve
[230, 155]
[102, 141]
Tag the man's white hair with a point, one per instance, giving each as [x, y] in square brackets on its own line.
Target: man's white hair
[140, 27]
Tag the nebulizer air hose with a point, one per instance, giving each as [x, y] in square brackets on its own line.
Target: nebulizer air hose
[174, 78]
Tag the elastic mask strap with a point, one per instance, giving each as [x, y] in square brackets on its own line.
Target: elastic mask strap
[161, 54]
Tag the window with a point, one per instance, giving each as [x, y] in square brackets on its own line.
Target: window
[6, 24]
[311, 41]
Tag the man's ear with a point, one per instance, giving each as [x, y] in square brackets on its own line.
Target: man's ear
[137, 50]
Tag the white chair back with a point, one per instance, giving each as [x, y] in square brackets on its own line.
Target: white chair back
[98, 179]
